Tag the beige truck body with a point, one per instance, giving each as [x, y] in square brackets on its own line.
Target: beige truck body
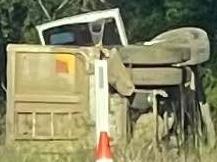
[51, 89]
[51, 98]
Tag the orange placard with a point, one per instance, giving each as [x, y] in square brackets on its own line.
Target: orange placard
[65, 63]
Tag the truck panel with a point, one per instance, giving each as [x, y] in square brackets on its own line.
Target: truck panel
[48, 96]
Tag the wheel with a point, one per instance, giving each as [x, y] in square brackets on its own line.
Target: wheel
[157, 54]
[157, 76]
[195, 39]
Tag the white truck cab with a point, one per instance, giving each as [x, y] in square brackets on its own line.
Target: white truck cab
[105, 27]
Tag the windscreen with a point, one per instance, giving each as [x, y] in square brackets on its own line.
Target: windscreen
[76, 34]
[80, 35]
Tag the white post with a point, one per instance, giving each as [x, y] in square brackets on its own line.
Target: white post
[102, 96]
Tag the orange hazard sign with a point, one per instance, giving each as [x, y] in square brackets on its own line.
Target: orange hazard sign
[65, 63]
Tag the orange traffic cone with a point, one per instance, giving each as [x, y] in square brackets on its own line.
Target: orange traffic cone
[103, 150]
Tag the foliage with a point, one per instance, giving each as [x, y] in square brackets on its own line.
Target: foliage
[19, 17]
[147, 18]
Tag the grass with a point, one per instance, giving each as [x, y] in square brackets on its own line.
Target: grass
[12, 155]
[139, 150]
[128, 154]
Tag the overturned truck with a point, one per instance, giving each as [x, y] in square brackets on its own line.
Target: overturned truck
[51, 91]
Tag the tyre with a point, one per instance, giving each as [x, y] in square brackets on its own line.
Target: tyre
[159, 76]
[195, 39]
[162, 53]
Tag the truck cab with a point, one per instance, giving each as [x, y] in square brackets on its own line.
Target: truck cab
[88, 29]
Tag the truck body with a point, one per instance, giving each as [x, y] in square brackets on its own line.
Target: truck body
[55, 108]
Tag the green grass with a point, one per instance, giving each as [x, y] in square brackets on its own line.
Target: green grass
[11, 155]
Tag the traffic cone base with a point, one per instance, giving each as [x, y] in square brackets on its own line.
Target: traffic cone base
[103, 150]
[105, 160]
